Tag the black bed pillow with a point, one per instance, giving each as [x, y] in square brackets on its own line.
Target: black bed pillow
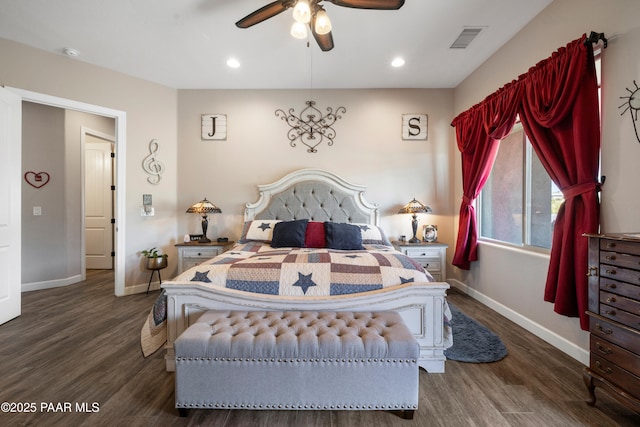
[342, 236]
[289, 234]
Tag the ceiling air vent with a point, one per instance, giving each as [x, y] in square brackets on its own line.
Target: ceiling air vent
[465, 38]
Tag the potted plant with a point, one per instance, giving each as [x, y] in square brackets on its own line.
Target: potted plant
[155, 260]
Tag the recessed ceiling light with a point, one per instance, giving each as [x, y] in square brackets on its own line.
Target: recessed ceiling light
[397, 62]
[233, 63]
[70, 52]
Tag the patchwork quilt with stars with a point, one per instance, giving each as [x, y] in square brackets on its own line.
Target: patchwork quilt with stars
[259, 268]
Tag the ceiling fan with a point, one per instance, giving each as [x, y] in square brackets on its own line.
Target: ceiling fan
[312, 13]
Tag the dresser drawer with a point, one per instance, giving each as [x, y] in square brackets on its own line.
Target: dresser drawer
[617, 334]
[620, 288]
[615, 354]
[620, 259]
[619, 315]
[429, 264]
[201, 252]
[422, 253]
[620, 246]
[615, 374]
[620, 273]
[620, 301]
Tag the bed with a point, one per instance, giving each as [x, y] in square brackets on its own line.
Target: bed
[336, 276]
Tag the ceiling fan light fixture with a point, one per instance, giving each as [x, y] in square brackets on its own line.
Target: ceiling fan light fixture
[302, 12]
[299, 30]
[322, 24]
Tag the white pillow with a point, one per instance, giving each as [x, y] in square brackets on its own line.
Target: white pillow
[258, 230]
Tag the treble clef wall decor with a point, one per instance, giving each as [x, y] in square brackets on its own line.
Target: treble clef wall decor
[151, 165]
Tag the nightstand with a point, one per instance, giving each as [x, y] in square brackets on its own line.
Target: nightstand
[432, 256]
[191, 254]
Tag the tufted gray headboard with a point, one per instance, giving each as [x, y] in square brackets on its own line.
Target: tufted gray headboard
[313, 194]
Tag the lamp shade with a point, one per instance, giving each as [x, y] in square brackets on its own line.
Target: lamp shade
[414, 207]
[204, 207]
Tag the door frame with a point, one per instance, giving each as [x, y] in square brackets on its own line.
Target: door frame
[120, 178]
[84, 131]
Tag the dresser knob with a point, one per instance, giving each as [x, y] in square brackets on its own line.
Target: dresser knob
[603, 350]
[611, 245]
[604, 330]
[610, 312]
[611, 299]
[611, 257]
[602, 368]
[610, 285]
[611, 272]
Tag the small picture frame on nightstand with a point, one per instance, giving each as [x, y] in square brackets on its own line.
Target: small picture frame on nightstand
[430, 233]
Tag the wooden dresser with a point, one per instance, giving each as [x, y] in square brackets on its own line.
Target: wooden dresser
[614, 311]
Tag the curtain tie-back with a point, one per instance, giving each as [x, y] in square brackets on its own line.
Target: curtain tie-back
[578, 189]
[467, 200]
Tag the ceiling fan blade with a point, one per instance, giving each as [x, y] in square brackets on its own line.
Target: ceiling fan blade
[369, 4]
[264, 13]
[325, 41]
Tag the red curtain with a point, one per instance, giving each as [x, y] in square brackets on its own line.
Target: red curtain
[560, 115]
[557, 101]
[478, 132]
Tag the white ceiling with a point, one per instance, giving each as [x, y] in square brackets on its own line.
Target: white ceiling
[184, 44]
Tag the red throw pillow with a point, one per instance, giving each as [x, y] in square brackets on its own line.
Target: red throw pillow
[314, 236]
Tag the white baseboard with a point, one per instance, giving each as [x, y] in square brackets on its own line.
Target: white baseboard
[48, 284]
[141, 288]
[562, 344]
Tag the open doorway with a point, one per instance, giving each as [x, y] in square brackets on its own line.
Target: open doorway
[119, 118]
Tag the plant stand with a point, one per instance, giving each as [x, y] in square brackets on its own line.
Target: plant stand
[155, 264]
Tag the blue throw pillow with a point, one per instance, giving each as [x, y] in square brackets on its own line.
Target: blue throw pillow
[343, 236]
[289, 234]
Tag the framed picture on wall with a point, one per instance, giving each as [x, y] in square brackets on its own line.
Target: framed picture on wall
[414, 126]
[214, 127]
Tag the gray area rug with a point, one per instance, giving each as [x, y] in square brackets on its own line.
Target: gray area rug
[472, 341]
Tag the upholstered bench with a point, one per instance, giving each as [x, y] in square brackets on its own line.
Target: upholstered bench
[297, 360]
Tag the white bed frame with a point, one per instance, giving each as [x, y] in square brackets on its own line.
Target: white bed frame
[419, 304]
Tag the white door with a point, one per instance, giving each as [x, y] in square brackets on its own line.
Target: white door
[10, 199]
[98, 202]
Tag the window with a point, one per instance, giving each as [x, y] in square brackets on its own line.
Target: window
[519, 202]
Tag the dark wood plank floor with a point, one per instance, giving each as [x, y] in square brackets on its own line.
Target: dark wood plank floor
[76, 350]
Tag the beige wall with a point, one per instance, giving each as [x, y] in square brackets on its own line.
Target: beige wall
[512, 281]
[151, 113]
[44, 151]
[368, 149]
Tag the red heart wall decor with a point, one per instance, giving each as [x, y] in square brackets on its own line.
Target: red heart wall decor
[36, 179]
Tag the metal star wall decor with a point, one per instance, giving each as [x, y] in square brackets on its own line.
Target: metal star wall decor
[632, 105]
[311, 128]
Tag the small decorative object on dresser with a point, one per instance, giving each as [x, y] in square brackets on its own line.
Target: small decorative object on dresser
[614, 317]
[191, 254]
[432, 257]
[430, 233]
